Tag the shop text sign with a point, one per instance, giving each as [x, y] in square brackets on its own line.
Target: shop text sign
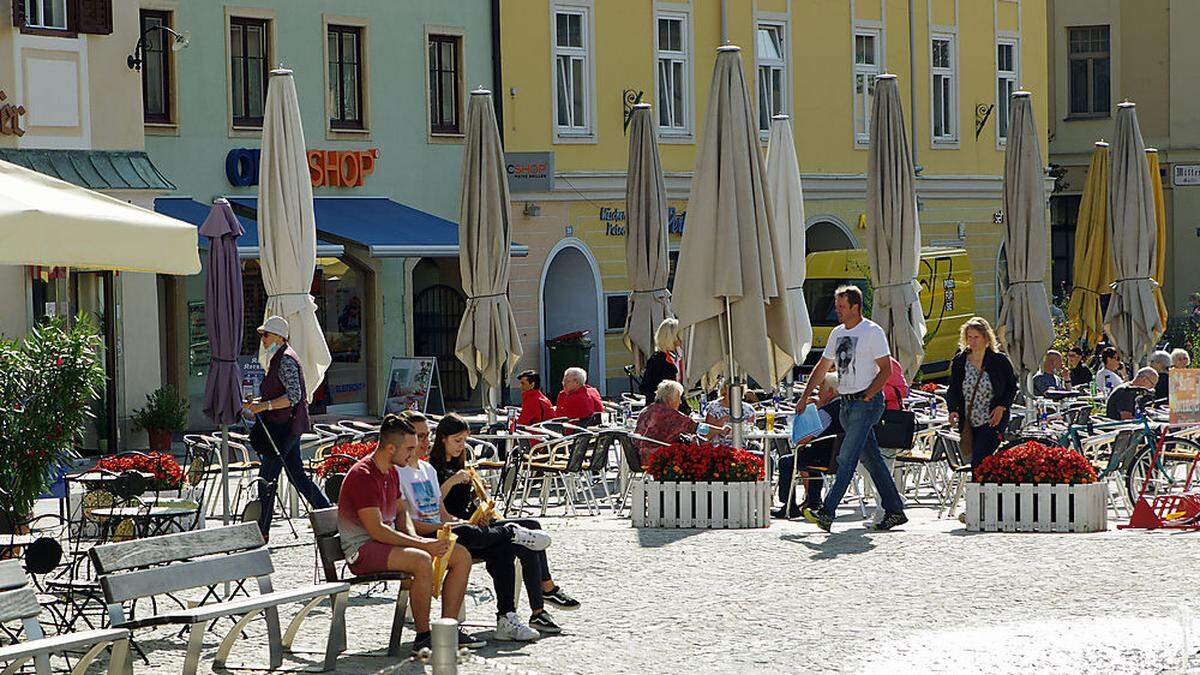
[529, 171]
[1186, 174]
[326, 168]
[614, 220]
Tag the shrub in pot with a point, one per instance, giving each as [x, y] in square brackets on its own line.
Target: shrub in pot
[165, 413]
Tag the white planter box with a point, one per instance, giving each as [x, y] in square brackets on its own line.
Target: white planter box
[1037, 508]
[701, 505]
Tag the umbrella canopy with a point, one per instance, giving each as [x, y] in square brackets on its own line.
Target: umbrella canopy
[287, 228]
[488, 342]
[893, 231]
[47, 221]
[729, 286]
[223, 314]
[1132, 320]
[1025, 324]
[1160, 219]
[787, 199]
[646, 257]
[1093, 256]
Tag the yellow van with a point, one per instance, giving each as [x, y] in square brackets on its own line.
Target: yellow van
[947, 298]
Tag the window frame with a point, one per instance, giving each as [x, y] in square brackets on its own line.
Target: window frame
[950, 74]
[267, 24]
[781, 64]
[433, 87]
[1011, 76]
[585, 133]
[65, 30]
[166, 17]
[862, 139]
[1090, 58]
[610, 329]
[681, 57]
[335, 122]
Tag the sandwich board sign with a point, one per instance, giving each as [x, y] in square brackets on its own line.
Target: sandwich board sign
[414, 383]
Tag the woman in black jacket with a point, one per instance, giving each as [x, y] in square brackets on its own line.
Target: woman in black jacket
[666, 363]
[982, 388]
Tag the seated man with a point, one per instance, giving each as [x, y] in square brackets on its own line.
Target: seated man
[828, 408]
[578, 401]
[535, 407]
[1122, 403]
[374, 541]
[1050, 376]
[662, 420]
[1078, 370]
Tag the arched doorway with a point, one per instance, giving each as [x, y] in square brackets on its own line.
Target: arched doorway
[826, 233]
[570, 294]
[437, 312]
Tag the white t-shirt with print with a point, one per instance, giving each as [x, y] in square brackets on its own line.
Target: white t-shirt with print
[422, 492]
[853, 352]
[1107, 381]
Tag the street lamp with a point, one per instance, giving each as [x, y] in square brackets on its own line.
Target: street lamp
[179, 41]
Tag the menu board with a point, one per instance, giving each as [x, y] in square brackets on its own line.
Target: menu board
[411, 384]
[1184, 397]
[199, 349]
[252, 375]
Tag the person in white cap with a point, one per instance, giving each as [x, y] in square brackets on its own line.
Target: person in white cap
[281, 416]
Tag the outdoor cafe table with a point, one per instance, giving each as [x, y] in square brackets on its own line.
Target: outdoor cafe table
[149, 520]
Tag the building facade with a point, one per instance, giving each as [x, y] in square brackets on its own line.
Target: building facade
[382, 87]
[1105, 51]
[570, 69]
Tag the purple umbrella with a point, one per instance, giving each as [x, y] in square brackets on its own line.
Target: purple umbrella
[223, 321]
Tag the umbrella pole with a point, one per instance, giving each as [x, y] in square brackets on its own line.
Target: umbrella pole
[493, 396]
[224, 474]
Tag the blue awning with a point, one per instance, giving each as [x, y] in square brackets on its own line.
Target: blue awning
[191, 211]
[387, 228]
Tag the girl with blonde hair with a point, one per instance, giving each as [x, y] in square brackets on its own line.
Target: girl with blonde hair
[666, 363]
[981, 392]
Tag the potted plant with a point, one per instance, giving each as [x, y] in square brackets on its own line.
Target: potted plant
[333, 467]
[1034, 487]
[165, 413]
[47, 381]
[702, 485]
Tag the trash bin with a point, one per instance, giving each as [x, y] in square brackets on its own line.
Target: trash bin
[566, 351]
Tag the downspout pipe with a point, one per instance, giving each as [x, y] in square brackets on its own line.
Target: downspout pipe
[497, 84]
[725, 22]
[912, 83]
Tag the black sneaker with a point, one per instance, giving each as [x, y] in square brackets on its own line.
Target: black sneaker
[423, 643]
[560, 598]
[785, 512]
[544, 623]
[824, 521]
[890, 520]
[469, 641]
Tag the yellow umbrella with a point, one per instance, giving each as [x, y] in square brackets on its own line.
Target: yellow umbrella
[1093, 255]
[1160, 215]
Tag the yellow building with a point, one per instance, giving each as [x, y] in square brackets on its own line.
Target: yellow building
[571, 68]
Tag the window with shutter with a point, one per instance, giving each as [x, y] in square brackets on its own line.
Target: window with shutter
[94, 17]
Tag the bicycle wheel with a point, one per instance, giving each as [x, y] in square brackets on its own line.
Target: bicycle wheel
[1168, 476]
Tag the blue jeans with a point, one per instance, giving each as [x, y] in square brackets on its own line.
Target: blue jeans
[269, 470]
[858, 418]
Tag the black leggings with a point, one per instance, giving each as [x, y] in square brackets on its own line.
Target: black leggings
[493, 544]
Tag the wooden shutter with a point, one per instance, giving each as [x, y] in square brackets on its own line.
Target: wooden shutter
[18, 13]
[94, 17]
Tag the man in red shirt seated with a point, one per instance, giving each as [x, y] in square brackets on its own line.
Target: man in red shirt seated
[577, 400]
[378, 536]
[535, 407]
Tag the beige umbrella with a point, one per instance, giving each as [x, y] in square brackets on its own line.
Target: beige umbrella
[729, 286]
[893, 231]
[646, 257]
[287, 228]
[1025, 324]
[1132, 320]
[787, 199]
[488, 341]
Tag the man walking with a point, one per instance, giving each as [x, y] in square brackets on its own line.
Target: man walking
[859, 348]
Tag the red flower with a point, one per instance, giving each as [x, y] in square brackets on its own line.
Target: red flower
[166, 472]
[1032, 462]
[704, 462]
[342, 457]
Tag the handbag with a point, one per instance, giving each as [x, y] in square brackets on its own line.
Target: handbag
[896, 429]
[965, 436]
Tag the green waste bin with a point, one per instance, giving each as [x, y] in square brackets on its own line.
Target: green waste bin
[570, 350]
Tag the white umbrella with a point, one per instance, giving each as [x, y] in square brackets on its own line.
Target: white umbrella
[1025, 324]
[287, 228]
[787, 198]
[893, 230]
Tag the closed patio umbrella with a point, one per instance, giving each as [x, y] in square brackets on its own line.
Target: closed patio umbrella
[223, 323]
[1132, 319]
[893, 230]
[1160, 219]
[646, 257]
[1093, 256]
[729, 286]
[787, 199]
[1025, 324]
[287, 228]
[488, 341]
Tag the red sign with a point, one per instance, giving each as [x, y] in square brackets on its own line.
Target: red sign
[341, 168]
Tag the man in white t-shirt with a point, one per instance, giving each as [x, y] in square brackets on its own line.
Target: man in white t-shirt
[858, 349]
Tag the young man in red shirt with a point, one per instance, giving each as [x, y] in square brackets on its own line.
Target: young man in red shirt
[378, 536]
[578, 400]
[535, 407]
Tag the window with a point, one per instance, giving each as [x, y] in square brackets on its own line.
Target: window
[1088, 71]
[50, 14]
[945, 127]
[345, 86]
[249, 56]
[616, 311]
[866, 69]
[156, 67]
[770, 53]
[673, 95]
[571, 72]
[1006, 84]
[445, 90]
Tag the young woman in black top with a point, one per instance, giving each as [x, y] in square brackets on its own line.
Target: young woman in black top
[982, 388]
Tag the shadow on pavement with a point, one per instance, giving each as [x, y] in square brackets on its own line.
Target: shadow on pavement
[649, 537]
[830, 546]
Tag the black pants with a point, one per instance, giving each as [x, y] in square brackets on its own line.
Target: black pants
[984, 441]
[269, 470]
[812, 484]
[493, 544]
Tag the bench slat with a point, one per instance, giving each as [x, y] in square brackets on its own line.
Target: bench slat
[171, 547]
[60, 643]
[186, 575]
[238, 607]
[20, 603]
[12, 575]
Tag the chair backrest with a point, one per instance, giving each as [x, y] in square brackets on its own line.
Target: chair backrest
[599, 461]
[633, 458]
[327, 540]
[581, 443]
[17, 599]
[952, 447]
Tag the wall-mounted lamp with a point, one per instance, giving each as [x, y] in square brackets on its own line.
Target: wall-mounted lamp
[532, 209]
[179, 41]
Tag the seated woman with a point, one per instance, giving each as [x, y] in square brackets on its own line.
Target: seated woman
[662, 420]
[812, 454]
[717, 415]
[448, 458]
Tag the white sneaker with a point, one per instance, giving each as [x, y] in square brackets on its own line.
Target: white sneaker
[510, 627]
[534, 540]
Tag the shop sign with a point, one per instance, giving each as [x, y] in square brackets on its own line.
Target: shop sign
[529, 171]
[614, 221]
[326, 168]
[10, 117]
[1187, 174]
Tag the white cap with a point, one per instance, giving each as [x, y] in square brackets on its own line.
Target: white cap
[276, 325]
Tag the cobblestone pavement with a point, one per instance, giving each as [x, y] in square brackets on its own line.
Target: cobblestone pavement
[929, 598]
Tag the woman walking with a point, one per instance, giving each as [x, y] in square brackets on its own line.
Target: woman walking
[982, 388]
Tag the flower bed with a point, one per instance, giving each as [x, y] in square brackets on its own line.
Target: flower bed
[1035, 463]
[341, 457]
[166, 472]
[1034, 487]
[703, 485]
[704, 462]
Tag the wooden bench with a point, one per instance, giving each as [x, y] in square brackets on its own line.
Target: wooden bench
[19, 601]
[202, 559]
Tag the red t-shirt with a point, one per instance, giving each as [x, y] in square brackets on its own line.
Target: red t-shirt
[579, 404]
[365, 487]
[535, 407]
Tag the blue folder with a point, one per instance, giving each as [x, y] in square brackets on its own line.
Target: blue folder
[807, 423]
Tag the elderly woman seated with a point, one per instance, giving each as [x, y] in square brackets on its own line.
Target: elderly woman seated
[662, 420]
